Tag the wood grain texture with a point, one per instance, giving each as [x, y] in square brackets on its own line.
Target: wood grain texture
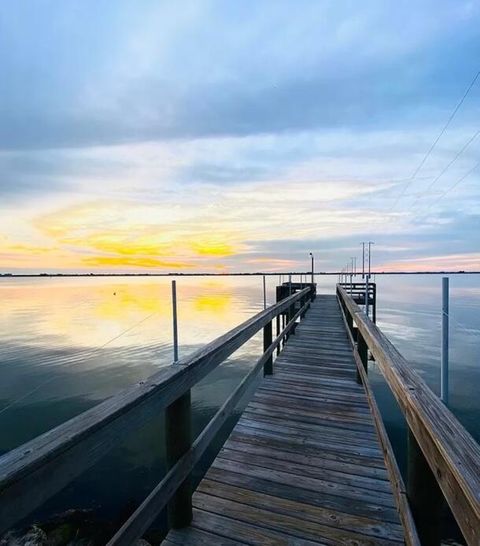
[451, 452]
[304, 464]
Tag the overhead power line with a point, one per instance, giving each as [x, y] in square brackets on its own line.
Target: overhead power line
[457, 155]
[432, 147]
[448, 190]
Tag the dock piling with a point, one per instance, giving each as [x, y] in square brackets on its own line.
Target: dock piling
[178, 439]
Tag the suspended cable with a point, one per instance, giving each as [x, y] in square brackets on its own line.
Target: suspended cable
[458, 154]
[432, 147]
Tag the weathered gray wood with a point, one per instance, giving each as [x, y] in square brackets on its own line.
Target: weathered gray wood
[451, 452]
[316, 514]
[178, 440]
[267, 341]
[302, 462]
[396, 480]
[32, 473]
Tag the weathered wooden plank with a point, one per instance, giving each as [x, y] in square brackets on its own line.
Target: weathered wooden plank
[317, 514]
[396, 480]
[304, 469]
[367, 509]
[367, 449]
[283, 522]
[312, 460]
[191, 536]
[301, 420]
[295, 480]
[245, 532]
[451, 452]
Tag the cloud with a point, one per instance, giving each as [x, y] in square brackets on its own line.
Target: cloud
[233, 136]
[156, 72]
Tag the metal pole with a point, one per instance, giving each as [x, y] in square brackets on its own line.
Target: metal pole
[366, 295]
[175, 327]
[363, 260]
[264, 294]
[290, 285]
[313, 267]
[444, 357]
[370, 243]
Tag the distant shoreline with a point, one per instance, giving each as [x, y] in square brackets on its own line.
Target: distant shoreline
[238, 274]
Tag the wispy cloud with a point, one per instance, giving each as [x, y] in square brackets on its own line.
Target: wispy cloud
[234, 136]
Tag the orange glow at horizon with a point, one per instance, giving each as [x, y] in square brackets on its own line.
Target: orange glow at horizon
[451, 262]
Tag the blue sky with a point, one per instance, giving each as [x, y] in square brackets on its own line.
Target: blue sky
[228, 136]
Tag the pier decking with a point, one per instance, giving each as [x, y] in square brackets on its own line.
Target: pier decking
[303, 465]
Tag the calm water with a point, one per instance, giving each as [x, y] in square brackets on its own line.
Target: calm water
[67, 344]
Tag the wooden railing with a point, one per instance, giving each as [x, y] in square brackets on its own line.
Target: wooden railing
[356, 290]
[442, 455]
[33, 472]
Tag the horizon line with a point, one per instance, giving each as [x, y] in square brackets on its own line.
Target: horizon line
[236, 274]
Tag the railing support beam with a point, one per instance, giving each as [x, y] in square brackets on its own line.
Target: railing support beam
[178, 435]
[267, 341]
[362, 349]
[424, 494]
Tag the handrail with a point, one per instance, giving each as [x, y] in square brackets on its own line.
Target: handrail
[450, 451]
[146, 513]
[33, 472]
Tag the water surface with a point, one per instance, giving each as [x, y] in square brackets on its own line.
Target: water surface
[66, 344]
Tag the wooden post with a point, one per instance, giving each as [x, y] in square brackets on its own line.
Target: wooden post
[178, 437]
[278, 333]
[362, 349]
[264, 294]
[349, 321]
[267, 341]
[424, 494]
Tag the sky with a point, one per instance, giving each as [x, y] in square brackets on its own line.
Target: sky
[228, 136]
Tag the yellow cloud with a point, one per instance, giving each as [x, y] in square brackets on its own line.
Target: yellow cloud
[116, 234]
[213, 248]
[134, 261]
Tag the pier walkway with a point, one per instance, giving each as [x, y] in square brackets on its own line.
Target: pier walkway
[304, 464]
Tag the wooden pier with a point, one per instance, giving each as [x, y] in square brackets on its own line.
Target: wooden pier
[304, 462]
[308, 462]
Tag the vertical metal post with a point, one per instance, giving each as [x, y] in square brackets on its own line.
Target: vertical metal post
[366, 294]
[267, 341]
[178, 438]
[175, 327]
[444, 357]
[363, 260]
[264, 294]
[313, 267]
[370, 243]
